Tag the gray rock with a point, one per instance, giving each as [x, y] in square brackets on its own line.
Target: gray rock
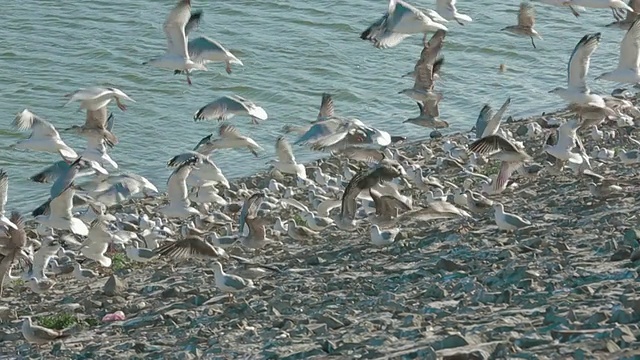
[114, 286]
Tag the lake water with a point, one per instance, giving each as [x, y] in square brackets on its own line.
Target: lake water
[292, 52]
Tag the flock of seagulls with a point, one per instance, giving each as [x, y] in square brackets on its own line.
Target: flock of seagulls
[92, 213]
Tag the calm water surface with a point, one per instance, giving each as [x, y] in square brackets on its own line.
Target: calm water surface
[292, 51]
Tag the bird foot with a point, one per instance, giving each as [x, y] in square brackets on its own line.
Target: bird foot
[228, 68]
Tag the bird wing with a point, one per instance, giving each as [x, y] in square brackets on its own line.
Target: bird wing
[64, 181]
[506, 169]
[96, 119]
[174, 28]
[51, 173]
[229, 132]
[319, 130]
[350, 194]
[326, 107]
[630, 47]
[431, 107]
[187, 248]
[40, 128]
[284, 151]
[437, 65]
[110, 122]
[188, 156]
[494, 122]
[222, 108]
[579, 62]
[202, 47]
[4, 189]
[492, 143]
[194, 22]
[424, 67]
[483, 119]
[61, 205]
[526, 15]
[177, 184]
[249, 209]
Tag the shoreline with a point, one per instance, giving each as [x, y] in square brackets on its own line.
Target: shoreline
[446, 289]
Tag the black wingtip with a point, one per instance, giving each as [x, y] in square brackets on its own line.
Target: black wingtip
[39, 178]
[41, 209]
[365, 34]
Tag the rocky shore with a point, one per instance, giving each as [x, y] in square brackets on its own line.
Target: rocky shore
[565, 287]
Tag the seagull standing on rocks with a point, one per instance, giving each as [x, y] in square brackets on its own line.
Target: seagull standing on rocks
[399, 22]
[526, 21]
[507, 221]
[230, 283]
[40, 335]
[383, 237]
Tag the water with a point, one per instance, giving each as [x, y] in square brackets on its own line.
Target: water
[292, 51]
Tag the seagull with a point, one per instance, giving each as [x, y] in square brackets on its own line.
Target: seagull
[423, 86]
[256, 237]
[628, 71]
[179, 204]
[44, 137]
[189, 247]
[316, 223]
[83, 274]
[577, 90]
[386, 170]
[95, 98]
[387, 207]
[630, 18]
[447, 9]
[228, 138]
[13, 248]
[203, 50]
[565, 143]
[326, 112]
[526, 21]
[40, 335]
[230, 283]
[488, 123]
[429, 114]
[226, 107]
[97, 243]
[629, 157]
[286, 162]
[176, 56]
[4, 191]
[574, 9]
[503, 150]
[508, 221]
[298, 232]
[383, 238]
[399, 22]
[97, 126]
[600, 4]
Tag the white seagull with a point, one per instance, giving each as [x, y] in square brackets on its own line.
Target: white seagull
[179, 204]
[286, 162]
[4, 190]
[227, 107]
[228, 138]
[447, 8]
[577, 91]
[95, 98]
[44, 137]
[399, 22]
[628, 71]
[177, 56]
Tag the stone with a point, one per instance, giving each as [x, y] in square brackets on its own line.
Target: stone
[114, 286]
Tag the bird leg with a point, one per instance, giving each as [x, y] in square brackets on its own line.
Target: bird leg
[230, 298]
[189, 79]
[228, 68]
[254, 121]
[459, 22]
[532, 43]
[573, 11]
